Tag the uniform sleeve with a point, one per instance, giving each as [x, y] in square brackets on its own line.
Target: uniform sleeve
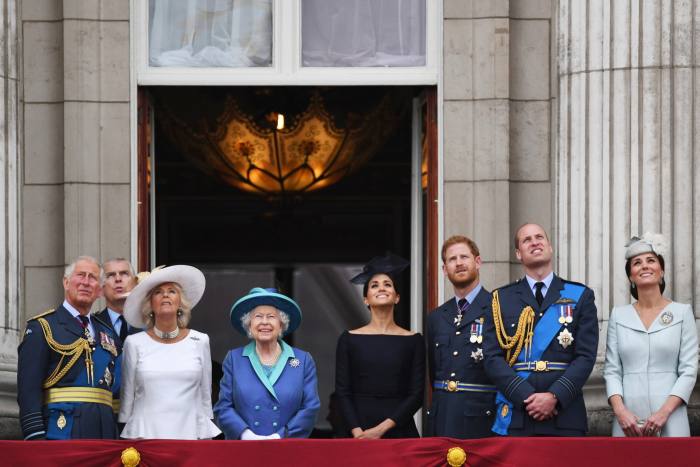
[413, 401]
[343, 386]
[32, 368]
[430, 337]
[128, 389]
[569, 385]
[687, 357]
[513, 387]
[302, 422]
[613, 365]
[226, 416]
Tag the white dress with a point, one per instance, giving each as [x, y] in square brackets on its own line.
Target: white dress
[646, 366]
[166, 388]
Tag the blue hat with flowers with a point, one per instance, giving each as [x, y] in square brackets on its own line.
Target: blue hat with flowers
[260, 296]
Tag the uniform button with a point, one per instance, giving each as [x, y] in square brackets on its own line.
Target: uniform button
[274, 407]
[274, 423]
[488, 412]
[437, 345]
[540, 314]
[257, 407]
[256, 423]
[458, 333]
[452, 375]
[512, 325]
[455, 353]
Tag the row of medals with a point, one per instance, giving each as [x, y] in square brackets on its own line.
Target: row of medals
[475, 335]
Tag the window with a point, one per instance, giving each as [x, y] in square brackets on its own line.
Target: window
[276, 42]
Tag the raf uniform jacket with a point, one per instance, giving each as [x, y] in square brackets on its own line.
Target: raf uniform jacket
[37, 360]
[287, 405]
[452, 357]
[566, 385]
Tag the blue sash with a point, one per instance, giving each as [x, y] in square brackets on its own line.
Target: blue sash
[545, 330]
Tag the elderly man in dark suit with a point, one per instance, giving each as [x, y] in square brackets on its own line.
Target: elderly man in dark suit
[463, 395]
[66, 364]
[540, 345]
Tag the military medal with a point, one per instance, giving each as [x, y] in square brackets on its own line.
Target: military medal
[480, 332]
[473, 333]
[458, 319]
[61, 422]
[478, 355]
[108, 344]
[565, 338]
[666, 318]
[294, 362]
[107, 377]
[566, 314]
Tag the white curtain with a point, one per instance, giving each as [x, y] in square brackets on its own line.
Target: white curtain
[210, 33]
[356, 33]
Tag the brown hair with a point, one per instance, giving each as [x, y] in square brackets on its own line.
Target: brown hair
[456, 239]
[628, 270]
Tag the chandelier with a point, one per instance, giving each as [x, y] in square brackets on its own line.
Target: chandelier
[293, 153]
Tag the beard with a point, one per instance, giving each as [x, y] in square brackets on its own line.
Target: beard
[463, 281]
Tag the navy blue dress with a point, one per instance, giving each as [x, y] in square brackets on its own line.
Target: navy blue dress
[378, 377]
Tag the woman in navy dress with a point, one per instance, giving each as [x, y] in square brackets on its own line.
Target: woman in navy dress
[380, 367]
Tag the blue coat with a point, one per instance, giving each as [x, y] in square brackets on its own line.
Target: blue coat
[459, 414]
[567, 385]
[285, 404]
[37, 360]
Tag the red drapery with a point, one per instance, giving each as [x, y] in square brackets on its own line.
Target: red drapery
[566, 452]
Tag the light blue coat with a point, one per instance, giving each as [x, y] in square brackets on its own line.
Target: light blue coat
[646, 366]
[286, 403]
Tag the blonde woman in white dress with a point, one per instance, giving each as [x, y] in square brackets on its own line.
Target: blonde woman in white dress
[651, 359]
[166, 370]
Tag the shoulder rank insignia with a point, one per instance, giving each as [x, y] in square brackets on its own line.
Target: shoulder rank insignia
[47, 312]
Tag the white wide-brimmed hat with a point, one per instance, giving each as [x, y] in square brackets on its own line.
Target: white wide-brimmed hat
[189, 278]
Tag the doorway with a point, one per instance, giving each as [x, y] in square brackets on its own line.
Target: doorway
[306, 244]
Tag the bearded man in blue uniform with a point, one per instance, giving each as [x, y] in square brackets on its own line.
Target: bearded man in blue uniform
[463, 395]
[67, 363]
[540, 345]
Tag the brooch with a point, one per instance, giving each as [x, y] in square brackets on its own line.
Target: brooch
[294, 362]
[565, 338]
[667, 318]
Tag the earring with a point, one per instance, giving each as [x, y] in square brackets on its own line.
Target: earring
[179, 312]
[150, 315]
[633, 285]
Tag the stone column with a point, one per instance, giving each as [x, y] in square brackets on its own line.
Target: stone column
[10, 139]
[626, 149]
[496, 119]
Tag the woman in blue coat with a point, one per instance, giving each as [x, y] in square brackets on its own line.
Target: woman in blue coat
[269, 389]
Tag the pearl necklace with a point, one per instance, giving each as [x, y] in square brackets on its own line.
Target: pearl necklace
[166, 335]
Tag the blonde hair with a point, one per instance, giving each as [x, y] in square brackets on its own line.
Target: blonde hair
[183, 319]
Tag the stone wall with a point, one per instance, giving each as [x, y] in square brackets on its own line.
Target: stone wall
[10, 150]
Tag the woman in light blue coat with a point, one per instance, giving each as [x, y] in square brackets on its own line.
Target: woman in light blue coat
[269, 389]
[651, 360]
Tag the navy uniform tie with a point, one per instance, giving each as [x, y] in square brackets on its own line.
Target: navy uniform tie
[123, 330]
[538, 294]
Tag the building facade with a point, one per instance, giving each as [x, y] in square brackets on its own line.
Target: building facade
[576, 114]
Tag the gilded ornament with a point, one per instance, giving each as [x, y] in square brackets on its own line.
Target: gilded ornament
[61, 422]
[456, 457]
[565, 338]
[130, 457]
[504, 411]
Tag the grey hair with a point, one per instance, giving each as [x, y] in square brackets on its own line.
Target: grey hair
[246, 318]
[114, 260]
[71, 267]
[182, 320]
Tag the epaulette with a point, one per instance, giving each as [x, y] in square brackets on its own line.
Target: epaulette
[575, 283]
[47, 312]
[508, 285]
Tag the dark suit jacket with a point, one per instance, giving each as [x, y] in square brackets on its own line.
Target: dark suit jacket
[566, 385]
[458, 414]
[103, 315]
